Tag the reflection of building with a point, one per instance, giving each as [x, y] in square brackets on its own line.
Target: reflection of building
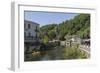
[31, 30]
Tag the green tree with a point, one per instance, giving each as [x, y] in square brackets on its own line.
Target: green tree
[79, 25]
[45, 40]
[51, 34]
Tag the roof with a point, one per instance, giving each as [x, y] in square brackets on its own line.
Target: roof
[31, 22]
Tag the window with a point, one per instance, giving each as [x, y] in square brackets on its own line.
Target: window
[24, 34]
[36, 29]
[29, 34]
[24, 26]
[29, 26]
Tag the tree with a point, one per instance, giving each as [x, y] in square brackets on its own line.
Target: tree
[45, 40]
[79, 25]
[51, 34]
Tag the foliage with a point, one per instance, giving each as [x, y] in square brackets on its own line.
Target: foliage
[74, 53]
[51, 34]
[79, 25]
[45, 40]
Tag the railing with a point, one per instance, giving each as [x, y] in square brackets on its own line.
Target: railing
[30, 39]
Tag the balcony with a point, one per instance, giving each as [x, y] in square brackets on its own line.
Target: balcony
[31, 39]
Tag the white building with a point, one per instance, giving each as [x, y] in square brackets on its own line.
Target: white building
[71, 39]
[31, 30]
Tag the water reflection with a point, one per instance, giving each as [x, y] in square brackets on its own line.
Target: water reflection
[56, 53]
[51, 54]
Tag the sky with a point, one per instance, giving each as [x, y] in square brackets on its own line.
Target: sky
[44, 18]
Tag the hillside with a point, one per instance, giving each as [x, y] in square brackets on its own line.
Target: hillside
[79, 25]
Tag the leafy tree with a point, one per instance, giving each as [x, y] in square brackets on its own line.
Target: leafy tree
[51, 34]
[45, 40]
[79, 25]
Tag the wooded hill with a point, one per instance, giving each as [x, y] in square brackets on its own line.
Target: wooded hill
[79, 25]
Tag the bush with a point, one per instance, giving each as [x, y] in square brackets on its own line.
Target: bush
[73, 53]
